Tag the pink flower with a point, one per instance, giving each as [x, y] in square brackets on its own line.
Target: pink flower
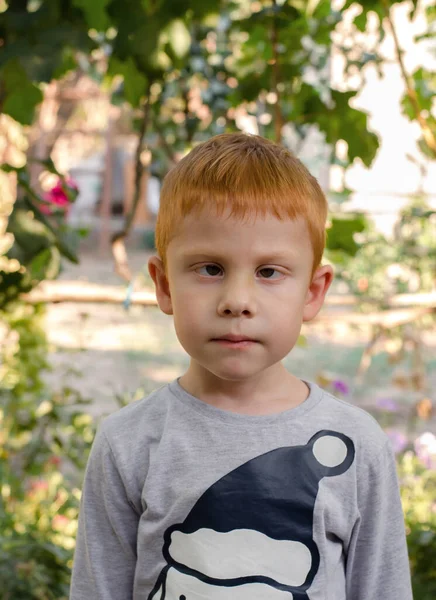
[425, 448]
[54, 460]
[341, 387]
[36, 487]
[58, 195]
[59, 522]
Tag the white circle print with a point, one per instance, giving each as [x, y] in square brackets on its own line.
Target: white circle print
[330, 451]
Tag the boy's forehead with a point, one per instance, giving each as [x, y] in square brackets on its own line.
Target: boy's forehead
[203, 231]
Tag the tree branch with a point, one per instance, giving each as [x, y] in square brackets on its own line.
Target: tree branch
[185, 92]
[167, 148]
[118, 246]
[427, 133]
[276, 77]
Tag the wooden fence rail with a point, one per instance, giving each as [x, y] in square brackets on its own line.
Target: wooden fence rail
[402, 309]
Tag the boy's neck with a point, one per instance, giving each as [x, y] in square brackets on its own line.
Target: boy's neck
[272, 391]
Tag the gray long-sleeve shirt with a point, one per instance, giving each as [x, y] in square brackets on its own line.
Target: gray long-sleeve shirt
[184, 501]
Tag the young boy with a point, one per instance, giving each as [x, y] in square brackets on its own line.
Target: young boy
[239, 481]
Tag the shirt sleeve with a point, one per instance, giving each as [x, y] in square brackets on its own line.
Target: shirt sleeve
[377, 564]
[105, 555]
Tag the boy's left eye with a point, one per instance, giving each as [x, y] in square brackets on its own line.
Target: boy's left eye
[269, 272]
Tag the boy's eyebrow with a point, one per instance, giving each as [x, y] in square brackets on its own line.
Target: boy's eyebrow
[269, 256]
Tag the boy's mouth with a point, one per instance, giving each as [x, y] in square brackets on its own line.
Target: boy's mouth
[233, 338]
[235, 341]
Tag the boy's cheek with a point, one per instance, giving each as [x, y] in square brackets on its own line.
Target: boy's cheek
[179, 585]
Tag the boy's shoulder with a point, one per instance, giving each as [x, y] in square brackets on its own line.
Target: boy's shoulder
[357, 423]
[146, 412]
[131, 433]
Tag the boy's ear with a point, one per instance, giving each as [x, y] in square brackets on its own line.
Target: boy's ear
[317, 291]
[163, 295]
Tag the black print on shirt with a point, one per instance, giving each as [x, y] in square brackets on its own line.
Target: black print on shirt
[250, 535]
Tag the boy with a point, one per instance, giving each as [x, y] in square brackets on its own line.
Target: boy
[239, 481]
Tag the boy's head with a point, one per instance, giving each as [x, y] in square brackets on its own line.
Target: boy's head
[244, 175]
[240, 234]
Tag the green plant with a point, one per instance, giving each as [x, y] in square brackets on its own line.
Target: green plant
[44, 435]
[418, 491]
[403, 264]
[45, 439]
[39, 235]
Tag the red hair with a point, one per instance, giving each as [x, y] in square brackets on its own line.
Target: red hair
[248, 174]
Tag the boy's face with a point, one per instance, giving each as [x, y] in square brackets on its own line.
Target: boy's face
[227, 277]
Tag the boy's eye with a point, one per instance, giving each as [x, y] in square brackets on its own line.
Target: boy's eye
[212, 270]
[268, 272]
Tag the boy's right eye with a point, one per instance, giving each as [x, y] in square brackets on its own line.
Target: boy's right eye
[212, 270]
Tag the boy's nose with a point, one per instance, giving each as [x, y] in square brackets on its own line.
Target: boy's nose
[237, 298]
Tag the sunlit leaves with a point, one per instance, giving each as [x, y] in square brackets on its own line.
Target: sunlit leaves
[179, 38]
[425, 88]
[134, 81]
[95, 13]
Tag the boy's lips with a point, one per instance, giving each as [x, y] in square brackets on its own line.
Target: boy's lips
[234, 338]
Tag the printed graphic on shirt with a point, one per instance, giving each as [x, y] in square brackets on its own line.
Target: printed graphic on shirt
[250, 535]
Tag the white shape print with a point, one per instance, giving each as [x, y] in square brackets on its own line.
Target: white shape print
[330, 451]
[179, 585]
[213, 554]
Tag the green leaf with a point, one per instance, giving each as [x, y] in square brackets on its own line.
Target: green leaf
[352, 126]
[95, 13]
[22, 96]
[340, 236]
[319, 9]
[11, 169]
[30, 235]
[135, 82]
[340, 197]
[151, 6]
[62, 240]
[68, 63]
[413, 10]
[48, 164]
[45, 265]
[407, 107]
[425, 149]
[68, 243]
[360, 21]
[425, 87]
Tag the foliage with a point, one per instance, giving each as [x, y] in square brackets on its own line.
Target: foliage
[39, 237]
[241, 53]
[189, 70]
[383, 267]
[43, 437]
[420, 85]
[201, 65]
[418, 489]
[272, 69]
[45, 440]
[39, 43]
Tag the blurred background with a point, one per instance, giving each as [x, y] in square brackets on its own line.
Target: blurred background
[98, 100]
